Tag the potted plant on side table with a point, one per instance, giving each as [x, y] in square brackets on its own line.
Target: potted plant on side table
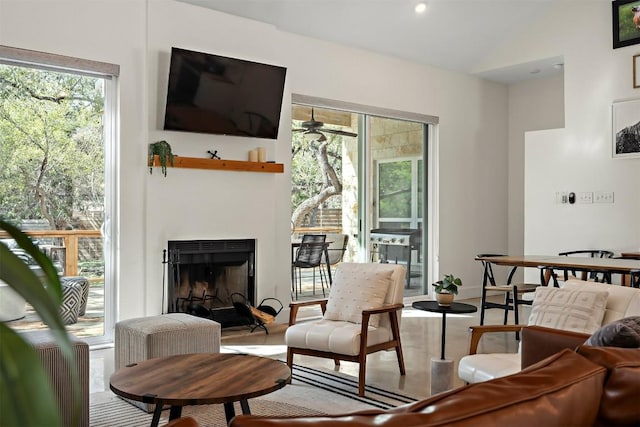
[446, 289]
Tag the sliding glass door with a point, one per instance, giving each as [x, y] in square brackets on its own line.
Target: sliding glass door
[361, 175]
[57, 144]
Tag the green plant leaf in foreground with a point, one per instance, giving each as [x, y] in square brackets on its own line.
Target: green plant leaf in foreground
[26, 398]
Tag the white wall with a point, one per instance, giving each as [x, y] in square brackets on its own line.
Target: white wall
[187, 204]
[578, 157]
[533, 105]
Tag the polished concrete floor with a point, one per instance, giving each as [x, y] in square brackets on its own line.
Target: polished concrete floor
[420, 335]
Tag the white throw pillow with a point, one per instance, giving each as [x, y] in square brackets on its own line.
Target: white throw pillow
[569, 310]
[357, 287]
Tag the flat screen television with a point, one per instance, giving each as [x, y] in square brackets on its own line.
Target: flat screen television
[220, 95]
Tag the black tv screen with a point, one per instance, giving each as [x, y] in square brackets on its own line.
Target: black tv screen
[220, 95]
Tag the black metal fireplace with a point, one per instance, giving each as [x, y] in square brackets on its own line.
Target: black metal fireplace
[205, 277]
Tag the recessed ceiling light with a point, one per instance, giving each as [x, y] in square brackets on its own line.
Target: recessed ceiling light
[558, 65]
[421, 7]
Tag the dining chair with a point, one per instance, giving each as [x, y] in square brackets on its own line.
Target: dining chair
[590, 275]
[512, 292]
[308, 256]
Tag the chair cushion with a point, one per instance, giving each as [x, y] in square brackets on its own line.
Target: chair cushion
[621, 333]
[569, 310]
[333, 336]
[357, 287]
[480, 367]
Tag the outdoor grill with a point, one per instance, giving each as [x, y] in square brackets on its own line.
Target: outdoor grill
[395, 245]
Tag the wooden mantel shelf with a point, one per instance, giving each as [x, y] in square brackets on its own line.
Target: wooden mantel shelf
[230, 165]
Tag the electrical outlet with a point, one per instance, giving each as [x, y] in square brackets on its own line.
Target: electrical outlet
[603, 197]
[585, 197]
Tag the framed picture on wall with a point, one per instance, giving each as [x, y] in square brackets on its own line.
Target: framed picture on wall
[626, 129]
[626, 22]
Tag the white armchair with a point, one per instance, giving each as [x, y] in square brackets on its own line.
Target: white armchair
[555, 309]
[360, 316]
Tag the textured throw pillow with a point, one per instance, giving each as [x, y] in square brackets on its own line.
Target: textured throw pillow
[569, 310]
[357, 287]
[621, 333]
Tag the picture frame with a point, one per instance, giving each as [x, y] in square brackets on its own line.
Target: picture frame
[636, 71]
[625, 125]
[625, 22]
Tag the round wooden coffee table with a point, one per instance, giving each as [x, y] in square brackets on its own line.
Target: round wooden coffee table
[199, 379]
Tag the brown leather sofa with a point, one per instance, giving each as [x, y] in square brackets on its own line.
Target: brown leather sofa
[591, 386]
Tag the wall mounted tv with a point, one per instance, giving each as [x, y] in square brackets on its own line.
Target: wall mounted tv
[220, 95]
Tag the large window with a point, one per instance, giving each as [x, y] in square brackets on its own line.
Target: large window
[57, 127]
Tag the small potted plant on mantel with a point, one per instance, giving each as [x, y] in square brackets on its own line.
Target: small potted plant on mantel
[446, 288]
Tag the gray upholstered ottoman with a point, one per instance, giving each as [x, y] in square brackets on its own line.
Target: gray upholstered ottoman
[56, 367]
[164, 335]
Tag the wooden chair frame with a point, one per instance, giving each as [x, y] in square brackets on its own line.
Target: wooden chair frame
[512, 292]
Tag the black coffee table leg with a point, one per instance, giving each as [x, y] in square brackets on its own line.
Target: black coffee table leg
[229, 411]
[244, 404]
[175, 412]
[156, 415]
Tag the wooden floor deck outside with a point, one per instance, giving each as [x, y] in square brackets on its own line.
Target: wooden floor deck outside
[89, 325]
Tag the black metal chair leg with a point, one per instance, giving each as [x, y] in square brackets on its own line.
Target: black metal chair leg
[507, 301]
[515, 310]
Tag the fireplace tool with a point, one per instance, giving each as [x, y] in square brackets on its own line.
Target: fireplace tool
[256, 317]
[164, 266]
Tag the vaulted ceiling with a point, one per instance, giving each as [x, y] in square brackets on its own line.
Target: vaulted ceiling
[451, 34]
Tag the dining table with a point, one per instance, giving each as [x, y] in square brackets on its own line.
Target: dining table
[623, 266]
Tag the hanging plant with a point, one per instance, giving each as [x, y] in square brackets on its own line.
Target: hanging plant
[163, 150]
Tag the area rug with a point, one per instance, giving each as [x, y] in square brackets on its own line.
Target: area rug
[346, 387]
[108, 410]
[312, 392]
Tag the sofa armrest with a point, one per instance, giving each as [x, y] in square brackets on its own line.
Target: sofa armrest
[539, 343]
[294, 306]
[479, 330]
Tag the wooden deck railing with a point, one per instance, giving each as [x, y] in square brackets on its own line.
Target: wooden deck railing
[318, 229]
[70, 239]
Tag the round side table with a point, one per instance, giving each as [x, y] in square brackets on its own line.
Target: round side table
[442, 368]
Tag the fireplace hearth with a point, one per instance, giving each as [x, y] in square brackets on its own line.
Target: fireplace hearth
[203, 276]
